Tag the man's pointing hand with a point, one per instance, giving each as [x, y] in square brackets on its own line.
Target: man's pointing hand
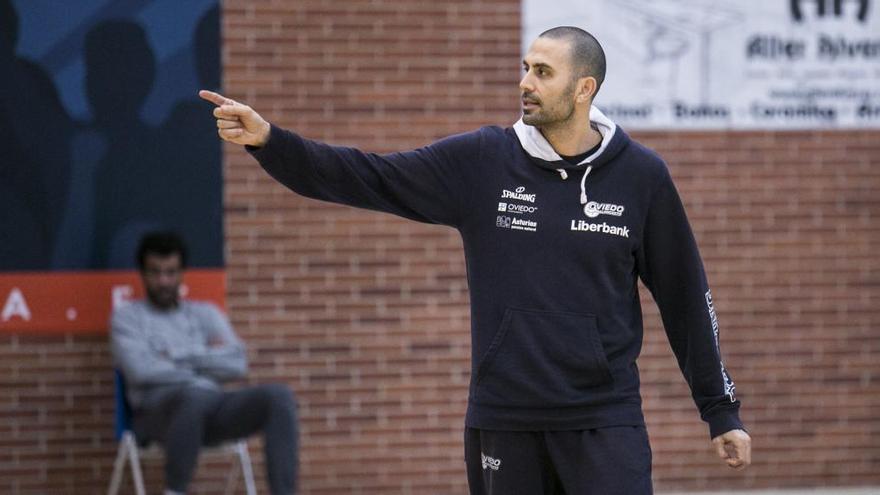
[237, 122]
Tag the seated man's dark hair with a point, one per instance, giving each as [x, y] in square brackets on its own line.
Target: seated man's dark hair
[163, 244]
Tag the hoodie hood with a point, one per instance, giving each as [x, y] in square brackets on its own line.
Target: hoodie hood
[614, 140]
[536, 145]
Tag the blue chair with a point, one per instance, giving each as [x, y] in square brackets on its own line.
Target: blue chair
[131, 452]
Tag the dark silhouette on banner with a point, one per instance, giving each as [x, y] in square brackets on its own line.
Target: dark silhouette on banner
[77, 192]
[34, 166]
[103, 139]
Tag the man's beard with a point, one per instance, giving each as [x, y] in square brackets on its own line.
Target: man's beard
[164, 298]
[553, 116]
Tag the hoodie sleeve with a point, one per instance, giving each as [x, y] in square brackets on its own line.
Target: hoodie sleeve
[670, 266]
[426, 184]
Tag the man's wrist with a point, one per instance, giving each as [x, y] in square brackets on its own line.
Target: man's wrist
[264, 135]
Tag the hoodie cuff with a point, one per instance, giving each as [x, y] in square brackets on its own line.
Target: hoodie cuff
[257, 151]
[723, 421]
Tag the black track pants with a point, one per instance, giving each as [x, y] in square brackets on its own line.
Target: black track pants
[604, 461]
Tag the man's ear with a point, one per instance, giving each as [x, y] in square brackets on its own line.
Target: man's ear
[587, 87]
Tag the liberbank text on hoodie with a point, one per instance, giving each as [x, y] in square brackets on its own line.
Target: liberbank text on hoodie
[553, 253]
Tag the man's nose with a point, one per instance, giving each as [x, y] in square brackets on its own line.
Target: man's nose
[525, 84]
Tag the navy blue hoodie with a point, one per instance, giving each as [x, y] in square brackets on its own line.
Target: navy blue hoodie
[554, 252]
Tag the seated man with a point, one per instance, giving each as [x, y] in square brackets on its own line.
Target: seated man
[174, 354]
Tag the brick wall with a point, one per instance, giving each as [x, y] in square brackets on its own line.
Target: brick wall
[366, 315]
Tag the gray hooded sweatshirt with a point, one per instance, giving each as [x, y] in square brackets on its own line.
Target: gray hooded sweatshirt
[160, 350]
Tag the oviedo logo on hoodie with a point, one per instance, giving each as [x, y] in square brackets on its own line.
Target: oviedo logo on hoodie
[594, 209]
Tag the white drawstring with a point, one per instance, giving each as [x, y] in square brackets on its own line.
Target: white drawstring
[583, 185]
[563, 173]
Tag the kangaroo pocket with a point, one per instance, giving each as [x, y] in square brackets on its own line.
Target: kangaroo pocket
[543, 359]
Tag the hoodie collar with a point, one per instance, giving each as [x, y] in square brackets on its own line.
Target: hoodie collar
[537, 146]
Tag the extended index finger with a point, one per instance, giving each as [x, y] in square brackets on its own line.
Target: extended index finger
[216, 98]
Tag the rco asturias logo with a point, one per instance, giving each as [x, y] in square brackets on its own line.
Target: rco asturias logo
[829, 7]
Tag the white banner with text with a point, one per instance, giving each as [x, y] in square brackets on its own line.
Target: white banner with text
[747, 64]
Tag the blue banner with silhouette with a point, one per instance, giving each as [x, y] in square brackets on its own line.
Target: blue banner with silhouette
[102, 135]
